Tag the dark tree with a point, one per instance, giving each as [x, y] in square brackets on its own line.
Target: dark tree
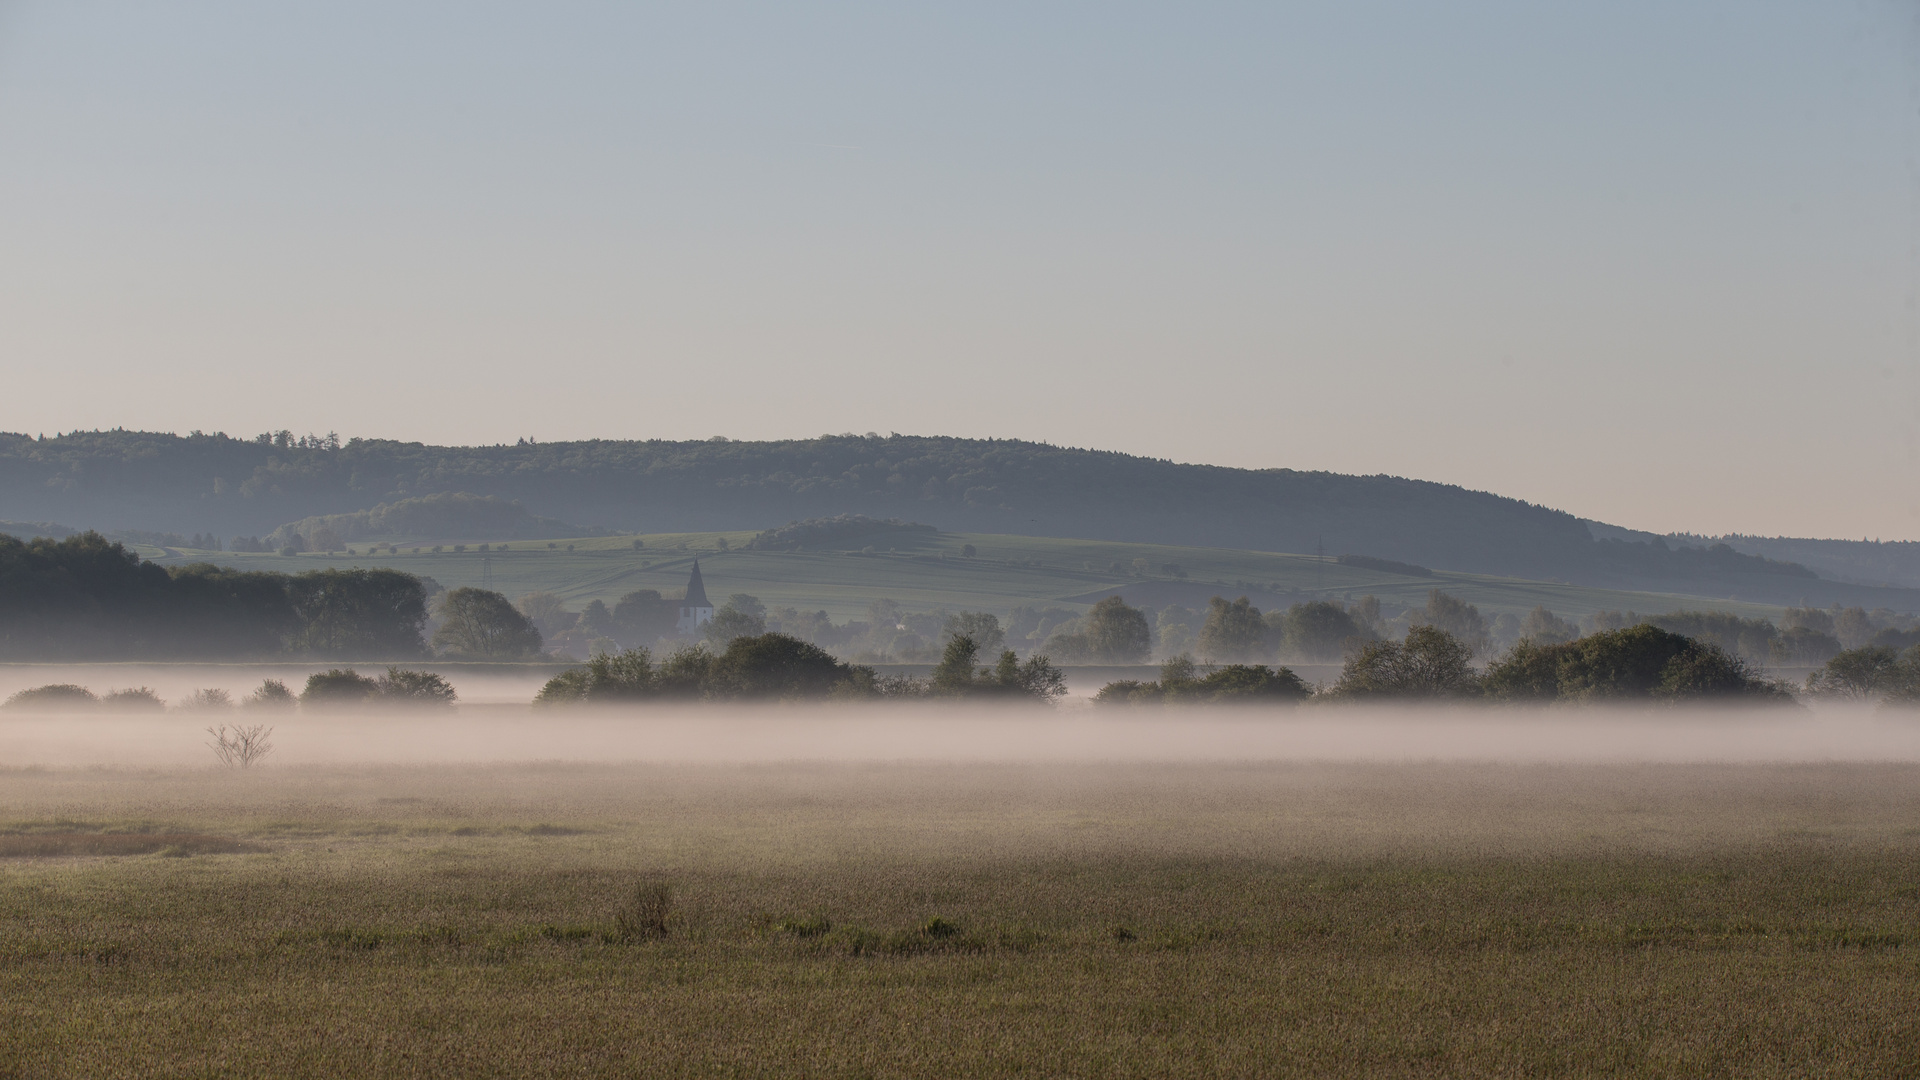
[1543, 627]
[597, 619]
[1316, 632]
[1430, 663]
[953, 675]
[362, 613]
[1461, 621]
[628, 676]
[1116, 633]
[1233, 684]
[87, 597]
[1638, 663]
[775, 666]
[339, 687]
[402, 687]
[640, 616]
[1233, 632]
[730, 623]
[1803, 646]
[1863, 673]
[983, 628]
[478, 624]
[957, 676]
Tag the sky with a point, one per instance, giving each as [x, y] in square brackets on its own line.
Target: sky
[1655, 262]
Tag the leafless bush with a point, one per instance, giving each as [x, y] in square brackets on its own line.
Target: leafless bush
[206, 701]
[644, 915]
[242, 745]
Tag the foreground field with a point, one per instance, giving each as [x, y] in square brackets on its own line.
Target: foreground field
[962, 920]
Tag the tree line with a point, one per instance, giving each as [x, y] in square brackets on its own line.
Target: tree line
[85, 597]
[1641, 662]
[779, 667]
[329, 689]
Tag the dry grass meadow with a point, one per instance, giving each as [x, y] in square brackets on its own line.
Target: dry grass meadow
[901, 919]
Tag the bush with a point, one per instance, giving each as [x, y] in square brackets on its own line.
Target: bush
[54, 696]
[338, 686]
[1429, 664]
[1638, 663]
[1232, 684]
[1252, 684]
[133, 699]
[764, 666]
[644, 915]
[243, 746]
[774, 666]
[402, 687]
[206, 701]
[628, 676]
[956, 675]
[1128, 692]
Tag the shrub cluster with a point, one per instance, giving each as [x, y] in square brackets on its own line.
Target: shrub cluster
[778, 667]
[760, 667]
[1232, 684]
[1637, 663]
[1870, 672]
[332, 688]
[1643, 663]
[338, 687]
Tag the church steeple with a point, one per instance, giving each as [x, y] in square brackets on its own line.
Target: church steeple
[696, 591]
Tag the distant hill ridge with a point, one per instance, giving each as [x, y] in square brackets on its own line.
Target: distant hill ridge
[214, 482]
[444, 516]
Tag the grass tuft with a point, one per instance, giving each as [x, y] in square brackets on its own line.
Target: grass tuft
[644, 916]
[813, 927]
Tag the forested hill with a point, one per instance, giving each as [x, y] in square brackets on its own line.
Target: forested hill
[201, 483]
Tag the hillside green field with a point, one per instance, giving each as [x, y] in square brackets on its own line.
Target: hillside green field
[926, 572]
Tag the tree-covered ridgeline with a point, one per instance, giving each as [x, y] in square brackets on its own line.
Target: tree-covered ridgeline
[251, 486]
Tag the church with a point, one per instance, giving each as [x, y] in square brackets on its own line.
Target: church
[695, 611]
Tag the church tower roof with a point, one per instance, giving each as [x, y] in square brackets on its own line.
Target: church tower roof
[696, 591]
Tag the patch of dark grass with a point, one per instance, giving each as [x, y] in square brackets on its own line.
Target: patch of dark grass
[644, 915]
[811, 927]
[48, 845]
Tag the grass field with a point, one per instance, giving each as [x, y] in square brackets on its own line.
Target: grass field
[880, 920]
[929, 572]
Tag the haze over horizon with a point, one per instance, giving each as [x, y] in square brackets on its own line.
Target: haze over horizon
[1649, 264]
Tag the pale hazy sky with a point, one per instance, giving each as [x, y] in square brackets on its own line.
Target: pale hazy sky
[1651, 261]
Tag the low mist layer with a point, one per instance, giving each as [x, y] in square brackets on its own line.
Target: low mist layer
[707, 733]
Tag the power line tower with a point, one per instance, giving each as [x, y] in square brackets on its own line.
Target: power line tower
[1320, 556]
[486, 570]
